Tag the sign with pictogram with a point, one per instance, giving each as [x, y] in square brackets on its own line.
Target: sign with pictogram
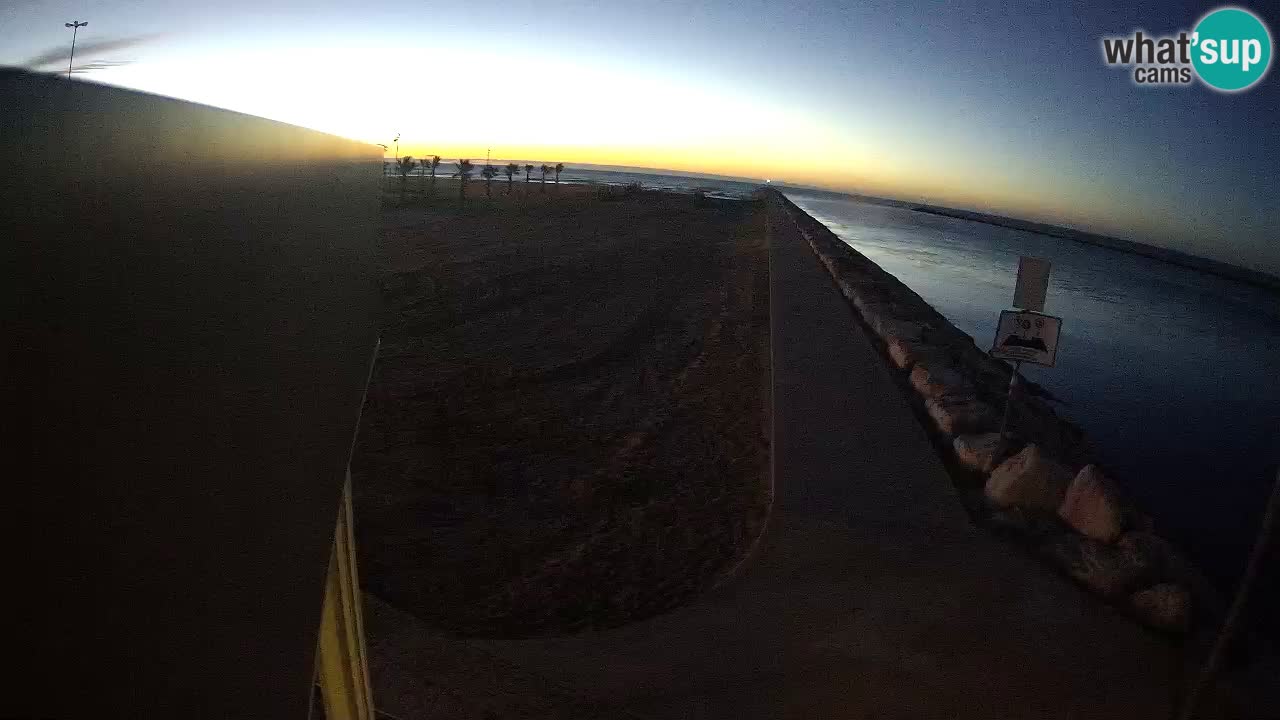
[1028, 337]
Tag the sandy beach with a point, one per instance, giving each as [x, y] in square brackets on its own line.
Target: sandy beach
[567, 423]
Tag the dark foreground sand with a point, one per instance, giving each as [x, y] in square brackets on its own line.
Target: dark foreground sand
[567, 424]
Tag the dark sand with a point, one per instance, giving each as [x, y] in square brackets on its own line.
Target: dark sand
[567, 425]
[873, 595]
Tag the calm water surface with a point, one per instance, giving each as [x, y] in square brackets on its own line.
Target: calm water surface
[1172, 372]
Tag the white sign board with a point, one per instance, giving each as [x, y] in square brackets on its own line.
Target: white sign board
[1027, 336]
[1033, 281]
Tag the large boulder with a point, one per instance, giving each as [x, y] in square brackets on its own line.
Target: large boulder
[846, 287]
[1157, 553]
[975, 451]
[892, 326]
[904, 329]
[1091, 507]
[1028, 480]
[956, 417]
[901, 352]
[1106, 569]
[1166, 606]
[933, 380]
[905, 354]
[871, 300]
[1170, 565]
[1034, 419]
[1036, 528]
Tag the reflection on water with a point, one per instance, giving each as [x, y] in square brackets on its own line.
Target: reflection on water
[1172, 372]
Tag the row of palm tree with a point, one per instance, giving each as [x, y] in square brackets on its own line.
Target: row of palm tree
[465, 167]
[406, 164]
[489, 172]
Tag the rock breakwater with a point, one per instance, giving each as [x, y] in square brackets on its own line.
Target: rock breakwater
[1046, 486]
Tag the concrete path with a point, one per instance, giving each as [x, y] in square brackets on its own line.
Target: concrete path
[873, 595]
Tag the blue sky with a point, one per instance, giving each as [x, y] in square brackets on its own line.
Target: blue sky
[1003, 107]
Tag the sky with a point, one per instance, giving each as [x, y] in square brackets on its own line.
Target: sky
[999, 107]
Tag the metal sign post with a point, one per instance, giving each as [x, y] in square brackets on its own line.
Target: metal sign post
[1004, 421]
[1025, 335]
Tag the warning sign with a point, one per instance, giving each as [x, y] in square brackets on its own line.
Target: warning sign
[1027, 336]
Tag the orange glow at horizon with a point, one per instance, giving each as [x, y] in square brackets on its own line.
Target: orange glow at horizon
[840, 173]
[544, 109]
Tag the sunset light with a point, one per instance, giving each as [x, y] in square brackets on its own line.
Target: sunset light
[662, 359]
[835, 98]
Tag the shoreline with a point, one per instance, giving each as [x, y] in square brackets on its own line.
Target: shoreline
[958, 392]
[1208, 266]
[1205, 265]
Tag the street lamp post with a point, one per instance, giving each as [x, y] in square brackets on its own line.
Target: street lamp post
[75, 28]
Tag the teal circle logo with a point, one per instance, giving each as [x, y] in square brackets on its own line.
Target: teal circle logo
[1231, 49]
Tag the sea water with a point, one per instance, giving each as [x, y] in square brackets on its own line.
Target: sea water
[1172, 372]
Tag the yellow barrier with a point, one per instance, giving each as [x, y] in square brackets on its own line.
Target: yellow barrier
[342, 668]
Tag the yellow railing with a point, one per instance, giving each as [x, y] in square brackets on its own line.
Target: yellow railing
[342, 668]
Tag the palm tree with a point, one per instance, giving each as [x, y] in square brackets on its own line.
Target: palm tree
[404, 165]
[488, 173]
[435, 163]
[528, 172]
[559, 168]
[422, 175]
[464, 174]
[545, 169]
[511, 169]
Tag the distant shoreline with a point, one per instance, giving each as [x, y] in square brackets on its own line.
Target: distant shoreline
[1255, 278]
[1174, 257]
[1247, 276]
